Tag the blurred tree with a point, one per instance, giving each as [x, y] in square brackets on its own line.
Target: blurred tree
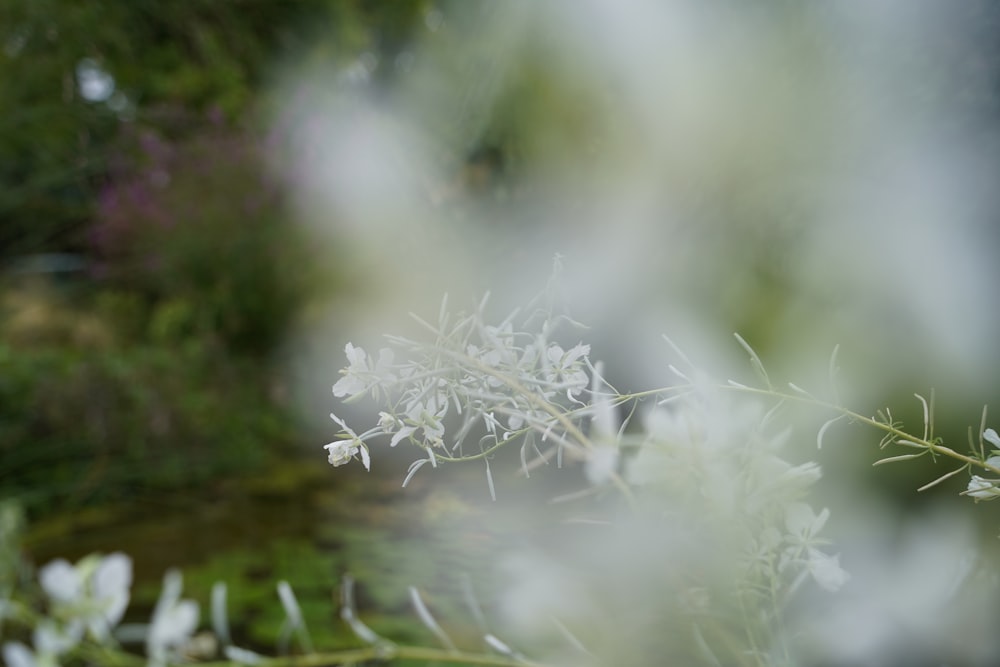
[71, 74]
[129, 134]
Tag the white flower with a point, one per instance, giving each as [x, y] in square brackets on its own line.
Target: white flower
[50, 642]
[426, 417]
[826, 570]
[991, 437]
[16, 654]
[803, 524]
[985, 488]
[95, 592]
[360, 376]
[982, 488]
[387, 422]
[602, 463]
[353, 381]
[567, 368]
[61, 581]
[342, 451]
[174, 621]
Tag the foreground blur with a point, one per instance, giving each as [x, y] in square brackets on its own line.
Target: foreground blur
[807, 174]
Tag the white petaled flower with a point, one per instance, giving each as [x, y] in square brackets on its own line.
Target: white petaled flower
[826, 570]
[50, 641]
[16, 654]
[387, 422]
[110, 589]
[991, 437]
[602, 463]
[986, 488]
[95, 592]
[427, 418]
[803, 524]
[340, 452]
[354, 380]
[497, 352]
[53, 640]
[982, 488]
[174, 621]
[567, 368]
[61, 581]
[360, 375]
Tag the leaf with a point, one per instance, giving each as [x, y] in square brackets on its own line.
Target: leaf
[755, 361]
[833, 370]
[414, 467]
[942, 478]
[348, 615]
[927, 416]
[425, 617]
[489, 481]
[901, 457]
[822, 430]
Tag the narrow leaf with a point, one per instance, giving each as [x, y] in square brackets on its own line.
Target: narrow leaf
[425, 617]
[982, 428]
[942, 478]
[469, 595]
[500, 647]
[675, 371]
[414, 467]
[489, 481]
[678, 351]
[927, 416]
[755, 361]
[220, 621]
[348, 615]
[833, 371]
[822, 430]
[901, 457]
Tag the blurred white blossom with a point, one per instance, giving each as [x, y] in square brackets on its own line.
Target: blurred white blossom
[94, 593]
[174, 622]
[51, 640]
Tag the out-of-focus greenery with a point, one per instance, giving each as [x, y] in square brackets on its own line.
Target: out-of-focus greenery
[82, 425]
[150, 367]
[154, 371]
[55, 145]
[197, 228]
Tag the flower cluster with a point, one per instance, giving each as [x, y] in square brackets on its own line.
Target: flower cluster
[87, 598]
[705, 462]
[474, 388]
[704, 449]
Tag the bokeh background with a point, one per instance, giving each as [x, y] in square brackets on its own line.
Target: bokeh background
[201, 202]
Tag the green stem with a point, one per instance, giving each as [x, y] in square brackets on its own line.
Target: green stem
[373, 653]
[897, 433]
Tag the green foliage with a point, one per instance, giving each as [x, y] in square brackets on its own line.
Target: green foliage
[79, 426]
[199, 229]
[199, 55]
